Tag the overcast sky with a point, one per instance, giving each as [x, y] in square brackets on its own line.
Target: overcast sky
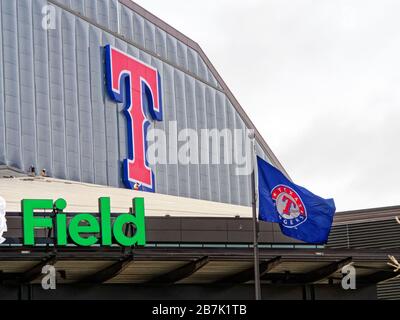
[321, 81]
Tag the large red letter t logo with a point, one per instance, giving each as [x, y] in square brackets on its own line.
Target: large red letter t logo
[140, 83]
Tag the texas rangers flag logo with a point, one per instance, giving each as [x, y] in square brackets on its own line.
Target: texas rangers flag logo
[291, 209]
[138, 86]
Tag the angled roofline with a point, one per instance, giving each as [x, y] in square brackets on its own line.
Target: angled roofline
[367, 215]
[195, 46]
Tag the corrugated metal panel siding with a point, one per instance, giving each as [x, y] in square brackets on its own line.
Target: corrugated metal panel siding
[378, 234]
[54, 112]
[339, 238]
[383, 234]
[389, 290]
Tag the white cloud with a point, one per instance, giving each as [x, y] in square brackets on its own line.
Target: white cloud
[325, 85]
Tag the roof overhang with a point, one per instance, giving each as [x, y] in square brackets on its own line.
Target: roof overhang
[149, 266]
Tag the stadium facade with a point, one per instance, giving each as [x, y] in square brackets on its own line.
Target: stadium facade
[83, 83]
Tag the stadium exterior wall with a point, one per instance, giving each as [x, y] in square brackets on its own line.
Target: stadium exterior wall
[55, 113]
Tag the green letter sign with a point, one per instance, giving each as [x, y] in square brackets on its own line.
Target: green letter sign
[84, 229]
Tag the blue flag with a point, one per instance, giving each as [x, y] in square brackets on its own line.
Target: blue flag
[301, 214]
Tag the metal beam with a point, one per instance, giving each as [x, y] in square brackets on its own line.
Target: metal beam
[9, 277]
[376, 277]
[36, 271]
[248, 274]
[310, 277]
[107, 273]
[178, 254]
[180, 273]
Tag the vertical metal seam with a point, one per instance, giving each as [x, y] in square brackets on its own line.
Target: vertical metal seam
[104, 97]
[36, 147]
[78, 98]
[21, 151]
[64, 103]
[207, 165]
[162, 125]
[185, 126]
[177, 142]
[231, 146]
[186, 79]
[4, 85]
[232, 192]
[173, 110]
[211, 105]
[49, 100]
[196, 122]
[118, 18]
[91, 111]
[59, 42]
[239, 192]
[117, 112]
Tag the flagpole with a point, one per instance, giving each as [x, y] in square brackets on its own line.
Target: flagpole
[257, 283]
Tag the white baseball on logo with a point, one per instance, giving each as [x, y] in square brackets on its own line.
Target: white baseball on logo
[291, 209]
[3, 220]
